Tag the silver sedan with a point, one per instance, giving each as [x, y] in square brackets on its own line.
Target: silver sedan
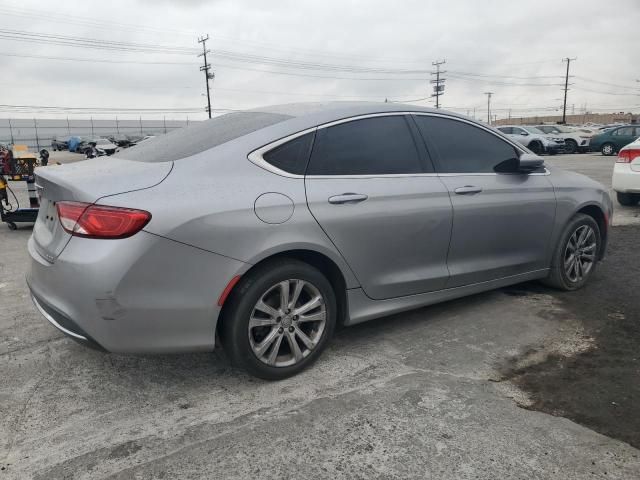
[268, 228]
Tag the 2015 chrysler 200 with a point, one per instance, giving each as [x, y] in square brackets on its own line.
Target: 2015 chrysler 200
[271, 227]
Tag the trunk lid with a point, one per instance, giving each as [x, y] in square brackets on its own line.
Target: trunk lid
[85, 181]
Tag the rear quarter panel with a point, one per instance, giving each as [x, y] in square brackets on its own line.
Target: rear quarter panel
[208, 202]
[573, 192]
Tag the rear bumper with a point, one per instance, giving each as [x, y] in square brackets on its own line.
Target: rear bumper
[65, 324]
[625, 180]
[143, 294]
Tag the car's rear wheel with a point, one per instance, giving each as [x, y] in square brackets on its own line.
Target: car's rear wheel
[628, 199]
[576, 255]
[278, 319]
[608, 149]
[570, 146]
[535, 147]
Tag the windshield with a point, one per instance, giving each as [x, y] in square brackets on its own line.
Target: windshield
[534, 130]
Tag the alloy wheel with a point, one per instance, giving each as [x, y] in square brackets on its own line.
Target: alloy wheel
[607, 149]
[287, 323]
[580, 253]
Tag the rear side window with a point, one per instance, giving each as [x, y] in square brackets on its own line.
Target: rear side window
[464, 148]
[371, 146]
[624, 132]
[201, 136]
[292, 156]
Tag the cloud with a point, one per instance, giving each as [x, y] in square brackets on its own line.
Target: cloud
[486, 45]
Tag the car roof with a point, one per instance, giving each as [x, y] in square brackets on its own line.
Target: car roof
[323, 112]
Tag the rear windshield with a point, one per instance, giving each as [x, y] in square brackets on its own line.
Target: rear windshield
[201, 136]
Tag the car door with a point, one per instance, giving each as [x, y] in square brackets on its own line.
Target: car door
[502, 223]
[372, 189]
[623, 136]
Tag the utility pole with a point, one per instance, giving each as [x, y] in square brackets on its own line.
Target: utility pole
[566, 88]
[438, 87]
[11, 131]
[205, 68]
[488, 94]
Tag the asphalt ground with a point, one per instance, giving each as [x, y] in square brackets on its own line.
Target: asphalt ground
[519, 383]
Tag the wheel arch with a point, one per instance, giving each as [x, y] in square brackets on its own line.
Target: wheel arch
[326, 265]
[595, 211]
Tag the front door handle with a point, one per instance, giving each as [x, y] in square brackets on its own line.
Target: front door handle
[347, 198]
[468, 190]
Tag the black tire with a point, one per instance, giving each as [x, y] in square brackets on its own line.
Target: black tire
[240, 305]
[558, 277]
[12, 226]
[535, 147]
[570, 146]
[628, 199]
[608, 149]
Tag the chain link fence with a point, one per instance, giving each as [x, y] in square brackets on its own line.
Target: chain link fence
[38, 133]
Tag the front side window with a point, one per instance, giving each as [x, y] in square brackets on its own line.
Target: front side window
[371, 146]
[462, 147]
[291, 157]
[506, 130]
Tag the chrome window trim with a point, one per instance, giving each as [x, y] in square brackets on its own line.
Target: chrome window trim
[256, 156]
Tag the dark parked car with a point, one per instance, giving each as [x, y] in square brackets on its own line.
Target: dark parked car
[611, 141]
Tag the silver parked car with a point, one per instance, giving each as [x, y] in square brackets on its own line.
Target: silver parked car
[271, 227]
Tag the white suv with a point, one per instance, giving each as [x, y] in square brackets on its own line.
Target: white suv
[626, 174]
[532, 138]
[574, 140]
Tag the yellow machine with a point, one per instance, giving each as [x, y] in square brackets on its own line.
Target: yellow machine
[26, 161]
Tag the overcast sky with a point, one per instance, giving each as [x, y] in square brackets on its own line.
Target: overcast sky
[321, 50]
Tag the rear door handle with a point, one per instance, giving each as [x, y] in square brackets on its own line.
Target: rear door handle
[347, 198]
[468, 190]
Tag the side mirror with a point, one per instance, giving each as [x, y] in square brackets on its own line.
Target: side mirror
[527, 163]
[524, 134]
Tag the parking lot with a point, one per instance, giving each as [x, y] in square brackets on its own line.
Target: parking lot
[523, 382]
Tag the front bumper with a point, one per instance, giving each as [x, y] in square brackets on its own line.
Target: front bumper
[554, 148]
[144, 294]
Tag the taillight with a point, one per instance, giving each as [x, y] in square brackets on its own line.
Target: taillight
[628, 156]
[100, 221]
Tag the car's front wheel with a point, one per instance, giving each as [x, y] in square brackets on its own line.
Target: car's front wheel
[536, 147]
[570, 146]
[576, 254]
[278, 319]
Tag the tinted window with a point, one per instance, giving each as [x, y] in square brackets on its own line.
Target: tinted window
[464, 148]
[201, 136]
[292, 156]
[372, 146]
[506, 130]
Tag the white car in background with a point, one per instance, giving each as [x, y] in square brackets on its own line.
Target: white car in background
[574, 140]
[535, 140]
[626, 174]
